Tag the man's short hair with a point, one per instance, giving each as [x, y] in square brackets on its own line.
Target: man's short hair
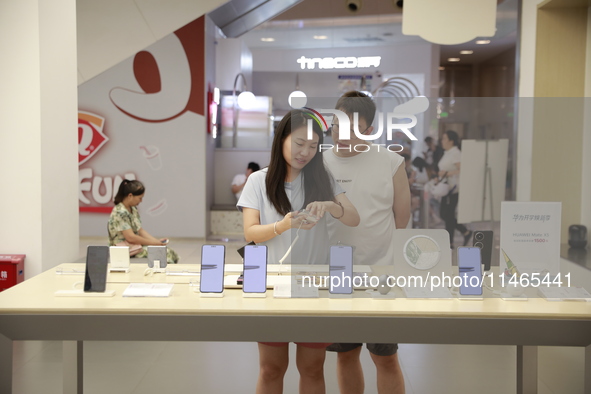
[355, 101]
[253, 166]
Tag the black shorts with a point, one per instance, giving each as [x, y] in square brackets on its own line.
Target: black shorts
[379, 349]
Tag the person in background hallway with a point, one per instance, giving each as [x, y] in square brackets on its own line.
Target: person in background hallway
[449, 166]
[240, 179]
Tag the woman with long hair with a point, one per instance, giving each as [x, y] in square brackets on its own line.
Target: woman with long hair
[295, 179]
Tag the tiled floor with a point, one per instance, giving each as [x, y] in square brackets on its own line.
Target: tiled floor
[228, 367]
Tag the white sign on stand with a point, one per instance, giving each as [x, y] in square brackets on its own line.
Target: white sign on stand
[530, 236]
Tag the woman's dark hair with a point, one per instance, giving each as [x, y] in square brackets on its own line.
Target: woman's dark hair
[136, 188]
[419, 163]
[317, 181]
[453, 137]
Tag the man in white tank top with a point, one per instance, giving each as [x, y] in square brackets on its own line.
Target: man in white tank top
[376, 183]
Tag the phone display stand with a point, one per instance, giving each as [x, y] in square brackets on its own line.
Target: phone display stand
[254, 295]
[470, 297]
[82, 293]
[508, 297]
[209, 295]
[337, 296]
[124, 270]
[378, 296]
[158, 269]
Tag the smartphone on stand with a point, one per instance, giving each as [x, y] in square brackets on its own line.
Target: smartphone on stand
[212, 269]
[255, 269]
[341, 269]
[95, 278]
[470, 267]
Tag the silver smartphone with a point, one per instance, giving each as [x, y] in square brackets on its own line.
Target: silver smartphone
[157, 253]
[212, 268]
[119, 257]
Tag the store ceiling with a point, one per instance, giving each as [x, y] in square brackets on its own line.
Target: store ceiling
[330, 24]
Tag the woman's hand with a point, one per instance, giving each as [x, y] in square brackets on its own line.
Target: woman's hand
[294, 220]
[318, 208]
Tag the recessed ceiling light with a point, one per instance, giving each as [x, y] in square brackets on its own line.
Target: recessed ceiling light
[482, 42]
[267, 39]
[320, 37]
[441, 68]
[453, 59]
[466, 52]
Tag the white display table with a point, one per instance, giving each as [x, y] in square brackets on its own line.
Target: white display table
[30, 311]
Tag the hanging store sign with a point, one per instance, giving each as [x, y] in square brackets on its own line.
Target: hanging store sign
[329, 63]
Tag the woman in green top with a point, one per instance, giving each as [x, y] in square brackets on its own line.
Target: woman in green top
[125, 224]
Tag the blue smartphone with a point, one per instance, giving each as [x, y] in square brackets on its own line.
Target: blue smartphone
[255, 269]
[469, 264]
[341, 269]
[212, 268]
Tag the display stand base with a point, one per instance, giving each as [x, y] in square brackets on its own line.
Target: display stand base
[470, 298]
[377, 296]
[336, 296]
[509, 297]
[210, 295]
[254, 295]
[82, 293]
[123, 270]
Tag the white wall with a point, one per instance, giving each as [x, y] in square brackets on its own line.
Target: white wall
[232, 57]
[208, 171]
[110, 31]
[38, 170]
[169, 122]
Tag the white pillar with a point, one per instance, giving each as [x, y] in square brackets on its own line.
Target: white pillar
[38, 132]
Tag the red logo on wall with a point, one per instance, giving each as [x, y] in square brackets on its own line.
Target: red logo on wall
[90, 135]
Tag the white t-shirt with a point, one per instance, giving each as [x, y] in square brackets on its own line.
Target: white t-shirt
[367, 179]
[312, 246]
[448, 163]
[239, 180]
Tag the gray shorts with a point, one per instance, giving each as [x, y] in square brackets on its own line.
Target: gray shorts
[379, 349]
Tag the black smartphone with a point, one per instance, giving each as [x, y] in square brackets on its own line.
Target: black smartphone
[341, 269]
[484, 241]
[255, 269]
[212, 268]
[469, 264]
[95, 278]
[241, 250]
[157, 253]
